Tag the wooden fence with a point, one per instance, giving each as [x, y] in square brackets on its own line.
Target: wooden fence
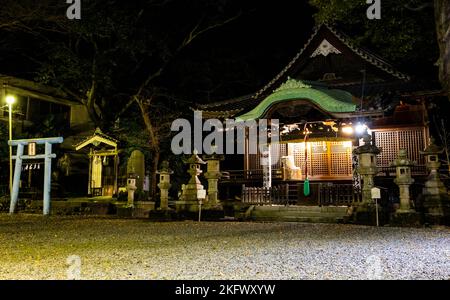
[266, 195]
[327, 194]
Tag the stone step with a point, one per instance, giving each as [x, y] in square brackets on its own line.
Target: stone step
[301, 214]
[299, 219]
[313, 214]
[339, 209]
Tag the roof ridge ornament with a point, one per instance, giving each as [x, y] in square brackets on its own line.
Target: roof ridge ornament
[325, 48]
[291, 83]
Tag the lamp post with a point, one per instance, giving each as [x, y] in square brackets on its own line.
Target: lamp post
[10, 100]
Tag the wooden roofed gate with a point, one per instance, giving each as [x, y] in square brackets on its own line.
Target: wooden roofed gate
[103, 174]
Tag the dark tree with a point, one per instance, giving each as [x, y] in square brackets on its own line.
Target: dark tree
[116, 56]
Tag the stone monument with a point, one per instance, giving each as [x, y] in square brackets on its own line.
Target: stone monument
[136, 165]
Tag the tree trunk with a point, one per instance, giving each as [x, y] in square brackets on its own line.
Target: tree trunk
[156, 155]
[154, 141]
[442, 16]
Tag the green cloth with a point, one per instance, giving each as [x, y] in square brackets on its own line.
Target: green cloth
[306, 190]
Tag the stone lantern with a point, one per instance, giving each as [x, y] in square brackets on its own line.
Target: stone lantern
[367, 168]
[213, 175]
[434, 185]
[403, 179]
[164, 184]
[189, 199]
[131, 188]
[435, 199]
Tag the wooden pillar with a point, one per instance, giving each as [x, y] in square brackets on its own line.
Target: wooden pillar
[16, 181]
[329, 160]
[90, 172]
[47, 178]
[116, 165]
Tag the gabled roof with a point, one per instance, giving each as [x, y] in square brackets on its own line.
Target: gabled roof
[97, 138]
[364, 54]
[310, 51]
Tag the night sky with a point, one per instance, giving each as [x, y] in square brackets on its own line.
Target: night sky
[229, 61]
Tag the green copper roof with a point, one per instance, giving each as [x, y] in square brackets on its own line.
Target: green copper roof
[332, 101]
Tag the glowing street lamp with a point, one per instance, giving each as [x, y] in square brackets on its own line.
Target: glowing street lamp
[10, 100]
[360, 128]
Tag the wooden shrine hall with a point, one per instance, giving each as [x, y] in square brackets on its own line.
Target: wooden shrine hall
[325, 98]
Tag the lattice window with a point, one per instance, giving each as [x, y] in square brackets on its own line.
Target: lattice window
[324, 158]
[341, 164]
[298, 151]
[319, 164]
[391, 141]
[277, 151]
[254, 161]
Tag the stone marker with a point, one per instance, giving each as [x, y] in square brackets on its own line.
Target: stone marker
[136, 165]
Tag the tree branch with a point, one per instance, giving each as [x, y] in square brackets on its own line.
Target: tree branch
[192, 35]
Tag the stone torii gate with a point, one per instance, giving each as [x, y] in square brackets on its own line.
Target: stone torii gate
[47, 169]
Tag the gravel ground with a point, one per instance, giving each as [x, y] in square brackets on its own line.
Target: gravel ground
[33, 247]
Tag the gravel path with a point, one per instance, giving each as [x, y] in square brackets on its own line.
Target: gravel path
[33, 247]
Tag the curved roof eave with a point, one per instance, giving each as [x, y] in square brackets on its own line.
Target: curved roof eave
[319, 98]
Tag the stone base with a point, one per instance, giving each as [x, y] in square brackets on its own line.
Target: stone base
[189, 206]
[207, 215]
[189, 210]
[217, 206]
[436, 209]
[406, 219]
[163, 215]
[365, 214]
[145, 205]
[140, 209]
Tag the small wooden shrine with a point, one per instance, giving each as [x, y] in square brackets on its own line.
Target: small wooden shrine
[103, 163]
